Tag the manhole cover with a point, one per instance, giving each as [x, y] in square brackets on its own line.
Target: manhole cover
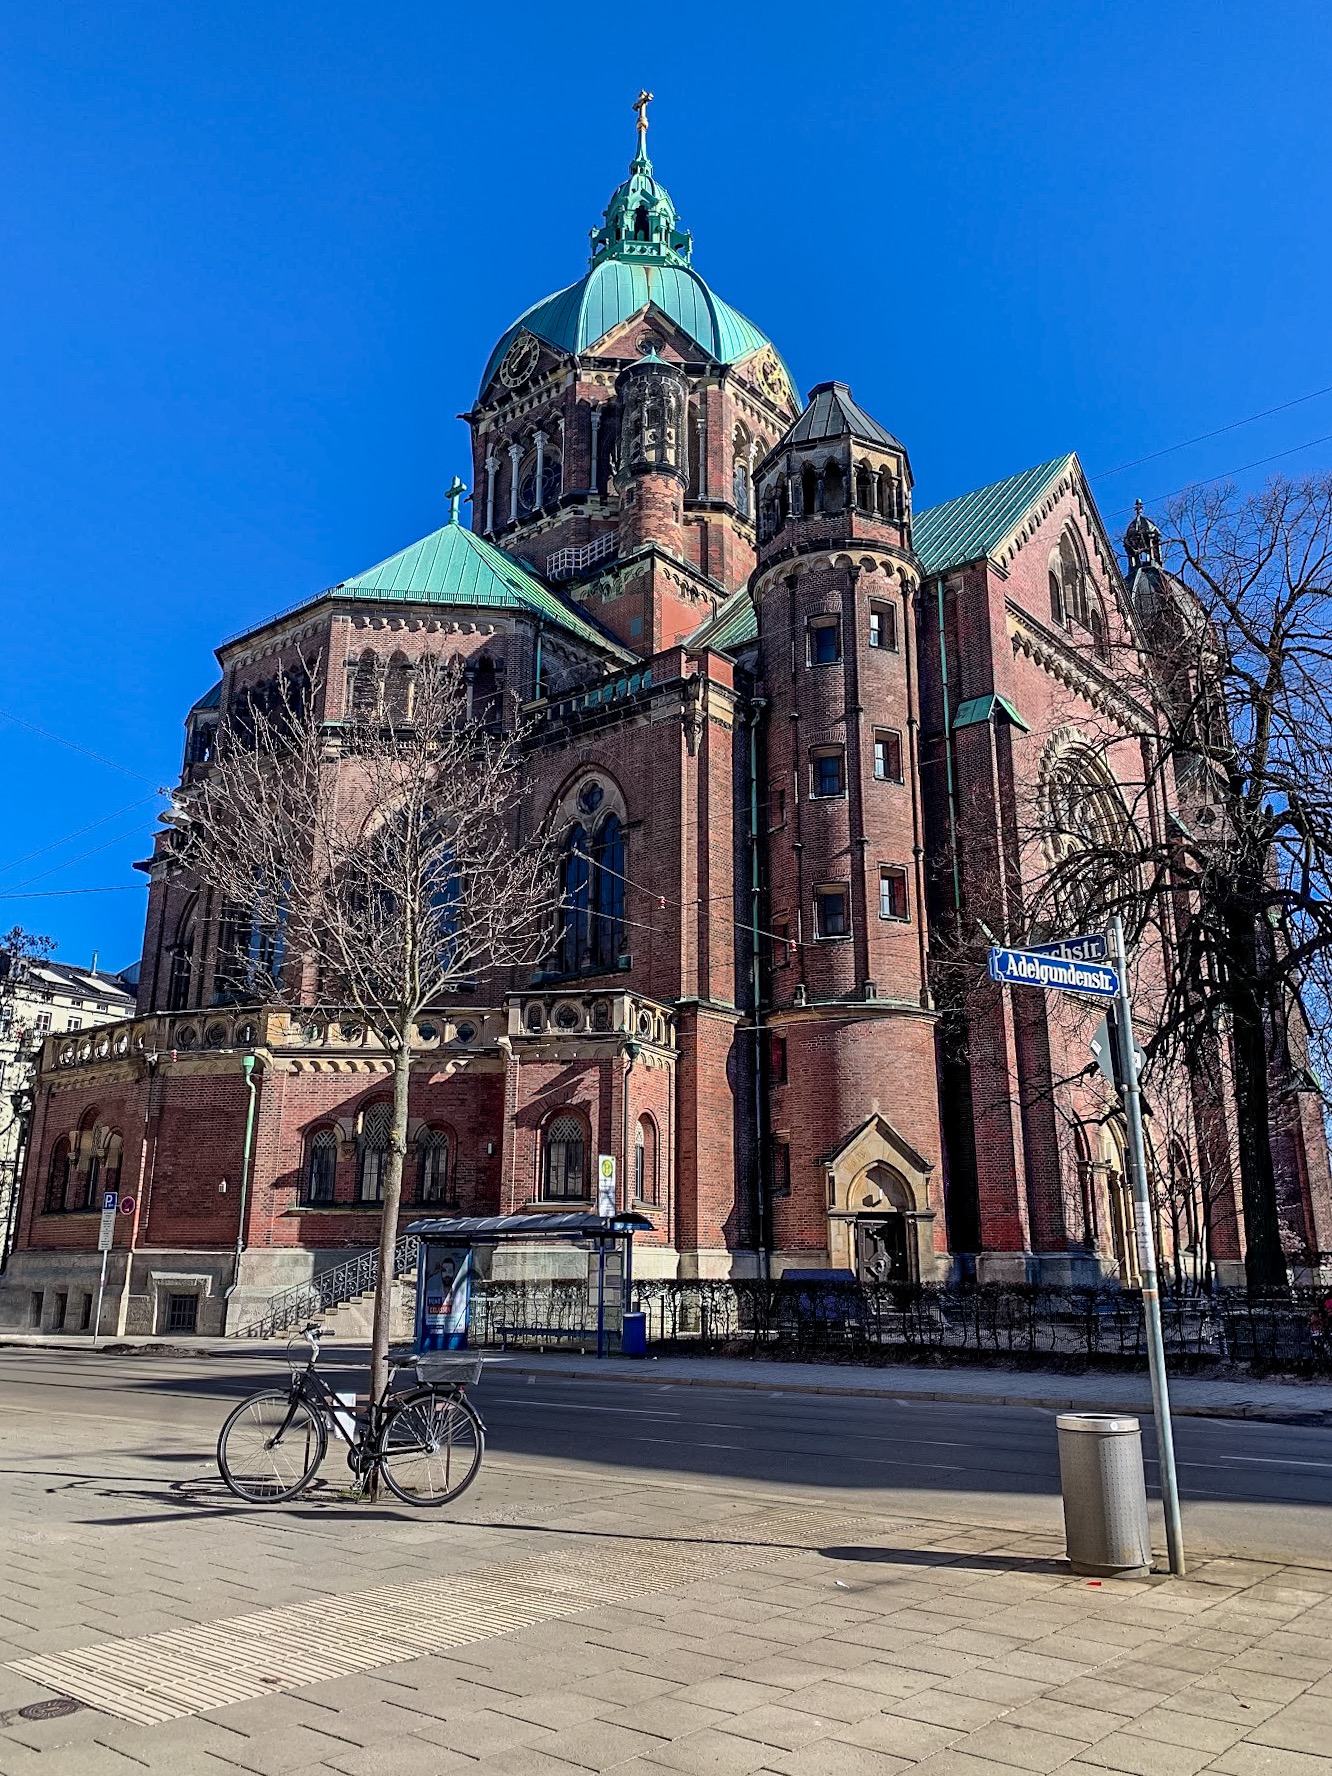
[50, 1710]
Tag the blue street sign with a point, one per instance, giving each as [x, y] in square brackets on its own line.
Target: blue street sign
[1031, 968]
[1093, 946]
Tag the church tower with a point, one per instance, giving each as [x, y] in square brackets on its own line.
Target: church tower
[853, 1160]
[618, 425]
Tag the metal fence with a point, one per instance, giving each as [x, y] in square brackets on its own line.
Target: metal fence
[853, 1321]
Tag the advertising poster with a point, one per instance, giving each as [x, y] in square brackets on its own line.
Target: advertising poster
[447, 1282]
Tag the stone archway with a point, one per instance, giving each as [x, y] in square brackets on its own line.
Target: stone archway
[880, 1221]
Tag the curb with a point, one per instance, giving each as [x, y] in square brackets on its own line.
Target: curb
[1314, 1417]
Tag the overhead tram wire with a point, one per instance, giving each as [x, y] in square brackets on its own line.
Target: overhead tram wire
[78, 833]
[59, 739]
[1211, 480]
[58, 893]
[1203, 437]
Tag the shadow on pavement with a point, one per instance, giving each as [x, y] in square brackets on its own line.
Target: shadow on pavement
[944, 1557]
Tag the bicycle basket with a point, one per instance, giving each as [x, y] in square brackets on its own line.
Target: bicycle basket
[437, 1368]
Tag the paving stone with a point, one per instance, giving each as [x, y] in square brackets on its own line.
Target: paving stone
[667, 1717]
[733, 1694]
[903, 1738]
[1023, 1748]
[600, 1745]
[1246, 1759]
[836, 1760]
[709, 1753]
[1145, 1757]
[403, 1757]
[943, 1707]
[775, 1724]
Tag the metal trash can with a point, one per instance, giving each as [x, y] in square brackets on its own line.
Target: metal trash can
[633, 1335]
[1105, 1494]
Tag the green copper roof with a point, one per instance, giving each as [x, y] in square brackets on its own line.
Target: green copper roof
[976, 524]
[729, 629]
[639, 256]
[453, 566]
[980, 709]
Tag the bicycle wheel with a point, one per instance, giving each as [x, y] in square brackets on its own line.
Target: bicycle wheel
[270, 1447]
[431, 1447]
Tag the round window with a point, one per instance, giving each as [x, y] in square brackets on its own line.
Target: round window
[590, 797]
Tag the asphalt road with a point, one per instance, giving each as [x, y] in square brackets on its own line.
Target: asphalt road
[1249, 1489]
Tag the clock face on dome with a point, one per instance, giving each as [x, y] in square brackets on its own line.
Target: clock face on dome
[773, 377]
[519, 361]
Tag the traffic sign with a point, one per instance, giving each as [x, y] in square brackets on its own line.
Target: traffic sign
[127, 1205]
[1092, 946]
[1032, 968]
[606, 1192]
[106, 1231]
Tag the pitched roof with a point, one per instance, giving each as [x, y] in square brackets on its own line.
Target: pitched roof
[731, 627]
[453, 566]
[975, 524]
[832, 413]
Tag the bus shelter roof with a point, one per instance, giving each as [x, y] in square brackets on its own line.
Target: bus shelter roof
[482, 1229]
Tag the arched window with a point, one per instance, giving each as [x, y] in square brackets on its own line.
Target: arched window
[642, 226]
[575, 901]
[112, 1165]
[864, 488]
[1086, 1188]
[565, 1159]
[740, 486]
[372, 1152]
[1100, 643]
[57, 1177]
[1056, 599]
[885, 494]
[365, 684]
[398, 688]
[180, 971]
[608, 887]
[485, 692]
[809, 492]
[531, 498]
[319, 1182]
[694, 465]
[646, 1184]
[834, 491]
[432, 1166]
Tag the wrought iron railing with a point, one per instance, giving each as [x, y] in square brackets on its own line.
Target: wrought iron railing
[344, 1282]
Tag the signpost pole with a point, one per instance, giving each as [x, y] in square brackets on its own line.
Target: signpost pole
[106, 1237]
[1146, 1247]
[101, 1290]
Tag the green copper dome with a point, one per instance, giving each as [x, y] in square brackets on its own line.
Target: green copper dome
[640, 255]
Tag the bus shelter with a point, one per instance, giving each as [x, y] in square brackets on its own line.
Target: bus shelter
[455, 1252]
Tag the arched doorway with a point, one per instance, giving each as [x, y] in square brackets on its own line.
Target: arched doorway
[882, 1250]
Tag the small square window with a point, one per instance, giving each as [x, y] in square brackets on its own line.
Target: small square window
[777, 1060]
[825, 641]
[74, 1024]
[832, 912]
[887, 755]
[883, 627]
[892, 893]
[42, 1023]
[828, 778]
[182, 1313]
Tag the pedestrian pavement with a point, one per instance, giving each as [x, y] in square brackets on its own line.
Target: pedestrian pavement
[1280, 1400]
[561, 1619]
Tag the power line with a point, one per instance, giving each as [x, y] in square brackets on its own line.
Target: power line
[78, 833]
[1202, 437]
[57, 893]
[69, 862]
[1210, 480]
[60, 740]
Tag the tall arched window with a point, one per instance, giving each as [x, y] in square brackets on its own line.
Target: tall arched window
[564, 1159]
[575, 901]
[1086, 1188]
[885, 494]
[864, 488]
[647, 1188]
[372, 1152]
[809, 491]
[112, 1164]
[319, 1184]
[398, 688]
[432, 1166]
[365, 684]
[834, 491]
[180, 971]
[608, 884]
[57, 1177]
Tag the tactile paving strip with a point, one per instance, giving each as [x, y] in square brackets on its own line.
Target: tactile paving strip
[162, 1677]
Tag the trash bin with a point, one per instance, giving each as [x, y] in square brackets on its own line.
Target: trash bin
[1105, 1494]
[633, 1335]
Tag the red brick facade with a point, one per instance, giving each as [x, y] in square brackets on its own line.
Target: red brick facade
[818, 743]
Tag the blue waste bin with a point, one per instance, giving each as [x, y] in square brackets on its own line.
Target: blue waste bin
[633, 1337]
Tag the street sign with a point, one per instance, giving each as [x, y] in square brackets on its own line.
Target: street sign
[127, 1205]
[106, 1232]
[606, 1203]
[1092, 946]
[1032, 968]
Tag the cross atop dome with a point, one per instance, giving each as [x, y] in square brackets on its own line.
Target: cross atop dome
[640, 220]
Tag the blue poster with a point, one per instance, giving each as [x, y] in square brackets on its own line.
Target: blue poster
[446, 1280]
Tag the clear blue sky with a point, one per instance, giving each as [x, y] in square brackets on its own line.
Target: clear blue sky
[255, 257]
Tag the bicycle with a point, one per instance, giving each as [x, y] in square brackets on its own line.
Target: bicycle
[427, 1442]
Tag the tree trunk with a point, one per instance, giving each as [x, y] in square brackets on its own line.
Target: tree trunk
[388, 1225]
[1264, 1263]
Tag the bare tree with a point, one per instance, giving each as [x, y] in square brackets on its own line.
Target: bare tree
[372, 864]
[1233, 649]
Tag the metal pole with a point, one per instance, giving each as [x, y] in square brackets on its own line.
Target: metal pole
[247, 1068]
[601, 1297]
[101, 1290]
[1146, 1246]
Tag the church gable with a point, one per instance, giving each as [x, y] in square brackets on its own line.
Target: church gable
[649, 329]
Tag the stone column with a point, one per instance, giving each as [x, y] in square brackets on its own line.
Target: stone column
[492, 464]
[515, 458]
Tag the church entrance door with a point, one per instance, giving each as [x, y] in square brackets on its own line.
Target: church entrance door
[881, 1249]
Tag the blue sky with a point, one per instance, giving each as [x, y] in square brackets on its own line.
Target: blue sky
[256, 257]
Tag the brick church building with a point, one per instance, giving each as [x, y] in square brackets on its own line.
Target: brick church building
[796, 731]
